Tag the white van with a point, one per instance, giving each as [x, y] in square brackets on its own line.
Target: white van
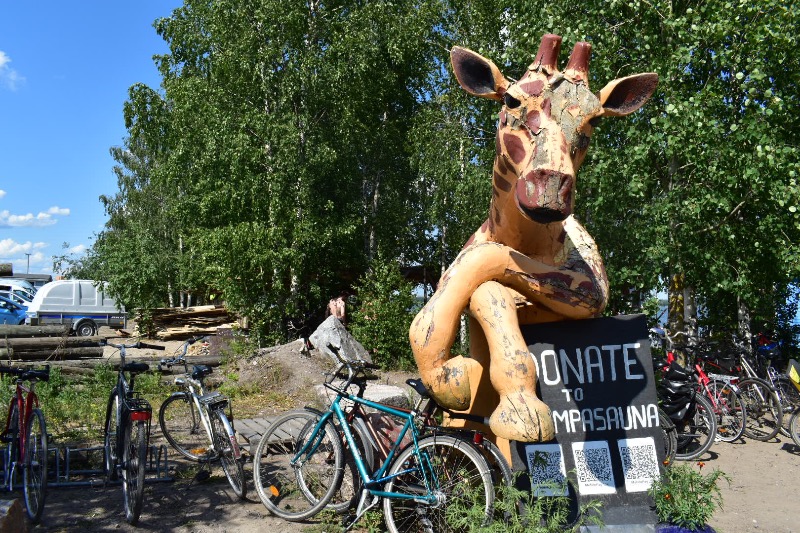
[22, 288]
[22, 283]
[79, 303]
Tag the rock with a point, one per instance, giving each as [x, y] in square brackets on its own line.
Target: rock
[332, 331]
[12, 517]
[388, 394]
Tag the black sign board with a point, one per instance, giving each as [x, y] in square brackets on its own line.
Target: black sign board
[597, 378]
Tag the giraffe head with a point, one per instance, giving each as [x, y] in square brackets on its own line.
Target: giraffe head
[545, 124]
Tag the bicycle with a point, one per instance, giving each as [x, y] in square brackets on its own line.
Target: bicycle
[721, 391]
[690, 412]
[761, 398]
[299, 464]
[126, 433]
[26, 435]
[194, 421]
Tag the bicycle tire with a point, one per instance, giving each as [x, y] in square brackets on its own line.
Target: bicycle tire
[764, 412]
[34, 477]
[12, 450]
[789, 398]
[794, 426]
[730, 411]
[296, 493]
[181, 425]
[224, 437]
[346, 497]
[110, 440]
[134, 460]
[670, 435]
[501, 470]
[463, 477]
[696, 433]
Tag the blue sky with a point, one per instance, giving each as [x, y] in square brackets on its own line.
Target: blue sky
[65, 70]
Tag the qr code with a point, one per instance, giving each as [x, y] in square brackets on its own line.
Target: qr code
[593, 464]
[546, 467]
[639, 463]
[593, 467]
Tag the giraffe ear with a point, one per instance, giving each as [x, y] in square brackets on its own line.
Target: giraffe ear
[478, 75]
[623, 96]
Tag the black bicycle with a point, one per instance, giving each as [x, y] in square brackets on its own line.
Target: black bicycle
[127, 432]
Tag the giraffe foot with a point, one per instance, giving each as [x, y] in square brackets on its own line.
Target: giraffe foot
[522, 417]
[449, 383]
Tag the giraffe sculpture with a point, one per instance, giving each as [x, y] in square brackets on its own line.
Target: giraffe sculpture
[531, 261]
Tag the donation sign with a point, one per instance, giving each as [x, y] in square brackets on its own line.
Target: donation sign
[597, 378]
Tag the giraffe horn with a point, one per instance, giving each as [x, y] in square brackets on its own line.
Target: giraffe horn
[547, 56]
[578, 64]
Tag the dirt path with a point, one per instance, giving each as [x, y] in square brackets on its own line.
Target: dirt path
[761, 498]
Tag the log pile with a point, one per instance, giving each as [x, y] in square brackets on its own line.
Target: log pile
[38, 343]
[180, 323]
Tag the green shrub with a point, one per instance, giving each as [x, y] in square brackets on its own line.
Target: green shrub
[385, 308]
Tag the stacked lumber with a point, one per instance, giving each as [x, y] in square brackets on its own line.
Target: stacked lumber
[38, 343]
[179, 323]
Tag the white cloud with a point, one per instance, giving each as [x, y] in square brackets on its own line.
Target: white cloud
[2, 193]
[9, 247]
[31, 220]
[78, 249]
[9, 77]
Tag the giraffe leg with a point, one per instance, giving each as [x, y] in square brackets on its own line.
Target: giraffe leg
[520, 415]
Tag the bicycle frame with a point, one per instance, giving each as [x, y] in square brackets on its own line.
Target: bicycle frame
[26, 400]
[371, 482]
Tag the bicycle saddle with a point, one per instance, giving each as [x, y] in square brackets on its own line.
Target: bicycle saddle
[134, 368]
[417, 385]
[40, 375]
[200, 371]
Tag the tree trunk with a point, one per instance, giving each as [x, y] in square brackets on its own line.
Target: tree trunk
[743, 316]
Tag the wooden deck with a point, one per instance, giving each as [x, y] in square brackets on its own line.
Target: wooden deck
[252, 429]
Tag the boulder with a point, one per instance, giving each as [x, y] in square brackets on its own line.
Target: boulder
[332, 331]
[380, 393]
[12, 517]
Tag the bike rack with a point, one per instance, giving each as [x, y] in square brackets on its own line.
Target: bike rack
[61, 472]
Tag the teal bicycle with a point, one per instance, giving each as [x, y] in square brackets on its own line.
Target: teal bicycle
[300, 461]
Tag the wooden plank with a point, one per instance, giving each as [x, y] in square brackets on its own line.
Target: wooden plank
[7, 331]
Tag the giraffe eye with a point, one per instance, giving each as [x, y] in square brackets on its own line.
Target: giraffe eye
[511, 102]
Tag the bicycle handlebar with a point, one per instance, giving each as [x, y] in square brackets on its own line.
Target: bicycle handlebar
[27, 374]
[181, 358]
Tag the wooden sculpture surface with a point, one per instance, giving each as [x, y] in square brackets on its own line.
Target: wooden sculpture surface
[531, 261]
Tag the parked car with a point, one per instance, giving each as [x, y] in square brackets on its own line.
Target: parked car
[21, 287]
[80, 304]
[11, 313]
[18, 297]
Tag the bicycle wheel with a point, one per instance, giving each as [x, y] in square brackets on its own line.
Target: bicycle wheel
[298, 489]
[350, 487]
[460, 479]
[134, 462]
[12, 450]
[182, 426]
[224, 442]
[35, 474]
[696, 432]
[670, 435]
[789, 397]
[110, 440]
[730, 411]
[794, 426]
[764, 413]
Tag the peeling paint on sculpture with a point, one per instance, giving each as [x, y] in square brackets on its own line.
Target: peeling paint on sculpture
[531, 261]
